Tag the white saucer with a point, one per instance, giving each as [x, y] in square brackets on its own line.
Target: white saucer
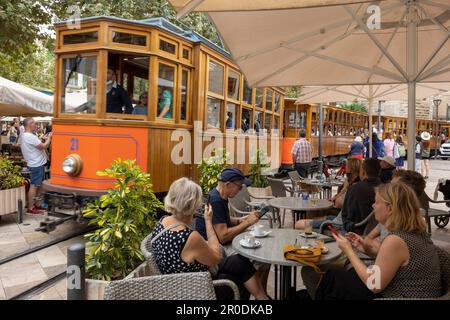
[312, 235]
[263, 235]
[245, 244]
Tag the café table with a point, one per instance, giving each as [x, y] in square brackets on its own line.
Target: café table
[271, 252]
[299, 206]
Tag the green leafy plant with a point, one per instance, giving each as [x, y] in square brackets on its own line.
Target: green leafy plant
[355, 106]
[10, 176]
[258, 169]
[125, 215]
[210, 169]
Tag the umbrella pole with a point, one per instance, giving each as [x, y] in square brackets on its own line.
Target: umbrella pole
[320, 162]
[411, 71]
[370, 120]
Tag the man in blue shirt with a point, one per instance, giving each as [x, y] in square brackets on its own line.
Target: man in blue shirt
[226, 227]
[116, 97]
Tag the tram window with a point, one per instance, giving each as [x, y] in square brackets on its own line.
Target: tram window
[257, 121]
[259, 98]
[214, 112]
[184, 91]
[140, 95]
[165, 91]
[247, 94]
[77, 38]
[277, 102]
[233, 84]
[267, 121]
[230, 122]
[167, 46]
[129, 38]
[215, 83]
[246, 117]
[276, 120]
[186, 54]
[80, 85]
[269, 95]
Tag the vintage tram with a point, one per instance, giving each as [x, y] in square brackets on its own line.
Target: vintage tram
[175, 78]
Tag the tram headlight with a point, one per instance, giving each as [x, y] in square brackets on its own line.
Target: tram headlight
[72, 165]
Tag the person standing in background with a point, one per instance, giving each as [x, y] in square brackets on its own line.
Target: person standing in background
[302, 155]
[425, 154]
[389, 144]
[357, 148]
[399, 152]
[418, 151]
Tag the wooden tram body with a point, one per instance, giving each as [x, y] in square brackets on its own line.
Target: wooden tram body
[153, 56]
[340, 127]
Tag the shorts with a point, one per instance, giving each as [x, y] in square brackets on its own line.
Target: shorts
[317, 223]
[37, 175]
[12, 139]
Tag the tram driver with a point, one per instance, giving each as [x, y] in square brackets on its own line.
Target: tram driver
[116, 97]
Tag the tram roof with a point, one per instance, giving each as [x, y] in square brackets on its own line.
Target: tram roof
[163, 24]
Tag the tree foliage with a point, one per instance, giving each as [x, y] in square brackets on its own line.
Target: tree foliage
[355, 106]
[293, 92]
[26, 30]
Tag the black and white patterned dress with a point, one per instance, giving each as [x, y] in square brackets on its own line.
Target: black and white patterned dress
[167, 250]
[421, 277]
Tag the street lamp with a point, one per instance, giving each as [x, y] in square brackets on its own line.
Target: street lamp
[436, 101]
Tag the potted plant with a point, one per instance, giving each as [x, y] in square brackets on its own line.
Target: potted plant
[12, 186]
[210, 169]
[125, 215]
[259, 169]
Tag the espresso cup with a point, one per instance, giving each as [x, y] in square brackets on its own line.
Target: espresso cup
[250, 240]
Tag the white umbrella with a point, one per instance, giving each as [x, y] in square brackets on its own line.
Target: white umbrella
[16, 99]
[326, 42]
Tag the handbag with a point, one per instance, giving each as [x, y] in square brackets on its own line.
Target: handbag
[308, 257]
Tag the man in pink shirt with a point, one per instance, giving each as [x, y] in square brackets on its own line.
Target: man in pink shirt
[389, 144]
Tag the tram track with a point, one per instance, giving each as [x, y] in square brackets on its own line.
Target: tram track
[43, 286]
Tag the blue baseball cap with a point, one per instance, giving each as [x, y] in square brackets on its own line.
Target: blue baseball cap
[233, 174]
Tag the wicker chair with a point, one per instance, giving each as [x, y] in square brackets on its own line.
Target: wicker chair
[179, 286]
[146, 249]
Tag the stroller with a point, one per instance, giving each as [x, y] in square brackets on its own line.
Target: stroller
[444, 187]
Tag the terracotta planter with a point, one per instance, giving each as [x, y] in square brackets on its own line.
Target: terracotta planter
[9, 198]
[95, 289]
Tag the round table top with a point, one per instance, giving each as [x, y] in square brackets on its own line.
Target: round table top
[297, 204]
[271, 249]
[331, 183]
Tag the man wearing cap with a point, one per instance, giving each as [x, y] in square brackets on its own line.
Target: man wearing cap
[226, 227]
[387, 164]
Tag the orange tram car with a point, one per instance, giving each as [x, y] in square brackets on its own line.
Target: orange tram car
[175, 80]
[339, 129]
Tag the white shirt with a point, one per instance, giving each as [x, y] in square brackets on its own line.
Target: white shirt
[34, 156]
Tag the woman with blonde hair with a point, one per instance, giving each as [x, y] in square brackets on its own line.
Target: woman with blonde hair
[178, 248]
[406, 264]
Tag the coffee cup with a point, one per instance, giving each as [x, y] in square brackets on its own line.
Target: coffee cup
[259, 230]
[250, 240]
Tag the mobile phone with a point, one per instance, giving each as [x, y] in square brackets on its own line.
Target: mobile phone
[333, 230]
[263, 210]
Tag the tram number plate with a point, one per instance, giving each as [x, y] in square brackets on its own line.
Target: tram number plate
[73, 144]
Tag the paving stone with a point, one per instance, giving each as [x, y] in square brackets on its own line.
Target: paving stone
[21, 272]
[50, 257]
[49, 294]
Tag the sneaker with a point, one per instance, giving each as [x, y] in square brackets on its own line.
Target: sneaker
[35, 211]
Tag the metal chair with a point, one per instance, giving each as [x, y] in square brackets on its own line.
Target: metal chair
[279, 189]
[242, 204]
[295, 179]
[178, 286]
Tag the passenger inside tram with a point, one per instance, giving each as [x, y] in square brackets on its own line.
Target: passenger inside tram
[116, 96]
[141, 106]
[165, 107]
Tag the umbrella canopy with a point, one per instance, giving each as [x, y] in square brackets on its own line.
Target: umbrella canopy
[282, 43]
[319, 94]
[16, 99]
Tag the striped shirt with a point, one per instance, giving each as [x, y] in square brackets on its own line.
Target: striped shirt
[302, 151]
